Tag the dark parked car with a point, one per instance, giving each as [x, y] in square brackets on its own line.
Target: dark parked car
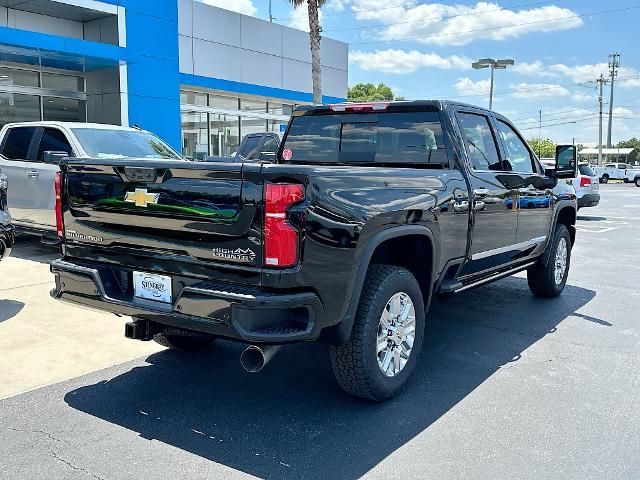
[370, 210]
[7, 236]
[255, 147]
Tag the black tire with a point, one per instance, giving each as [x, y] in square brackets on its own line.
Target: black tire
[541, 279]
[637, 182]
[355, 364]
[184, 342]
[605, 179]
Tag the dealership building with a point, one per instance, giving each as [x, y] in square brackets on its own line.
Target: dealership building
[199, 76]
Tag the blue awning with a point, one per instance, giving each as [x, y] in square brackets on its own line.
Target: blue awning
[35, 48]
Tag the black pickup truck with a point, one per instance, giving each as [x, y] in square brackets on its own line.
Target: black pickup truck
[369, 211]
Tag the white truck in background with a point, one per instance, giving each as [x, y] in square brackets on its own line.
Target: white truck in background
[618, 171]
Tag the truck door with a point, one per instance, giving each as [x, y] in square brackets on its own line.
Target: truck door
[534, 204]
[40, 186]
[16, 153]
[493, 209]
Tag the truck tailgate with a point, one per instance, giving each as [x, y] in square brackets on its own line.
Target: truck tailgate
[172, 216]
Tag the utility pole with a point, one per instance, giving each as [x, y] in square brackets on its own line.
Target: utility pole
[601, 82]
[614, 65]
[540, 136]
[270, 16]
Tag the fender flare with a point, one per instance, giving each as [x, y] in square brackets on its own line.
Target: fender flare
[339, 334]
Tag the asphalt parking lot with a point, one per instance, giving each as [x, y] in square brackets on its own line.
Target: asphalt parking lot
[509, 386]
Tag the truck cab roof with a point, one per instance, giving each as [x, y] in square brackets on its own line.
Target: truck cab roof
[435, 104]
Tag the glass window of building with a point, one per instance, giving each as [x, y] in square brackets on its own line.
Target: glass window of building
[15, 107]
[194, 135]
[64, 109]
[252, 125]
[225, 134]
[69, 83]
[280, 109]
[277, 126]
[253, 106]
[220, 101]
[193, 98]
[24, 78]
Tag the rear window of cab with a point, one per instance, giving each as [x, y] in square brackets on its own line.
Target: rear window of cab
[390, 137]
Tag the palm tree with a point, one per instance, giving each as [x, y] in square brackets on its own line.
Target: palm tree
[314, 39]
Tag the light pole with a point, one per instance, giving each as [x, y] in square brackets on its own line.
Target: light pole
[494, 65]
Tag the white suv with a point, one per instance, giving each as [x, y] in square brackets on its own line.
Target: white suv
[586, 186]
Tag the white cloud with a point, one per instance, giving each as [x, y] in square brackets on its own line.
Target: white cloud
[582, 97]
[300, 18]
[404, 61]
[442, 24]
[627, 77]
[537, 91]
[466, 86]
[240, 6]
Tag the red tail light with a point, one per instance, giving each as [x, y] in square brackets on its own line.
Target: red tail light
[58, 188]
[585, 181]
[280, 238]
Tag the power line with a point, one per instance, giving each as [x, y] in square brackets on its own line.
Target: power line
[579, 119]
[601, 12]
[440, 18]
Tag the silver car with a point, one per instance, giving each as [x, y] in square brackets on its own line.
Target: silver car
[30, 153]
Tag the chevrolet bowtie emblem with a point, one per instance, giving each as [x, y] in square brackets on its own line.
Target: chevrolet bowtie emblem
[141, 197]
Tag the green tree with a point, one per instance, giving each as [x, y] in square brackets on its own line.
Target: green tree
[544, 149]
[632, 143]
[313, 7]
[368, 92]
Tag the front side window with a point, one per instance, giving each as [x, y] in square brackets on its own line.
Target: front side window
[518, 155]
[16, 145]
[479, 141]
[53, 140]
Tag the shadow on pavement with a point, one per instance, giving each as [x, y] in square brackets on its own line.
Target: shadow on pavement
[9, 309]
[586, 218]
[30, 247]
[293, 421]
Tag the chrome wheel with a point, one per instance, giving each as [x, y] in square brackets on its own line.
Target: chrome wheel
[396, 334]
[562, 254]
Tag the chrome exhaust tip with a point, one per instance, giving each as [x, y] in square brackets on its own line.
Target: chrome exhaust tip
[254, 357]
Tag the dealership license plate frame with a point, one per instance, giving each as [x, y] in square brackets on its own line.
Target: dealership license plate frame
[152, 291]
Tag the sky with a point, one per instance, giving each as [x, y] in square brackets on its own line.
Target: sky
[424, 50]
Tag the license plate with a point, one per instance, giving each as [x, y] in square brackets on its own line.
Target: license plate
[152, 286]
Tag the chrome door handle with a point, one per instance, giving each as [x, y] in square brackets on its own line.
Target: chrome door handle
[33, 174]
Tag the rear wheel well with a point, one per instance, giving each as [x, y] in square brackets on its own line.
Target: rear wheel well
[413, 252]
[567, 216]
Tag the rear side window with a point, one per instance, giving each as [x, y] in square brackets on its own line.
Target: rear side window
[53, 140]
[250, 148]
[480, 142]
[586, 170]
[16, 144]
[270, 145]
[393, 137]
